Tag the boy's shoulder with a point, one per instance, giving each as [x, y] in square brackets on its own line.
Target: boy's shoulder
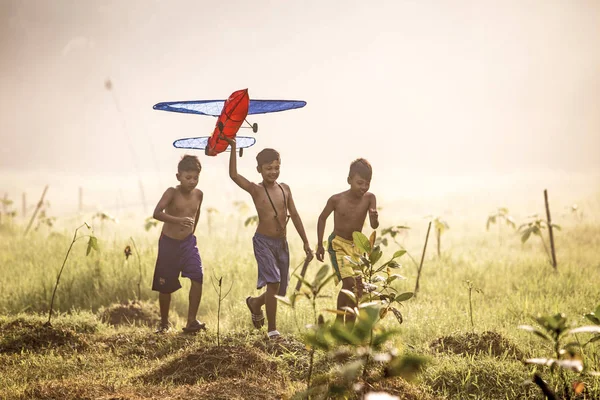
[335, 198]
[369, 195]
[339, 195]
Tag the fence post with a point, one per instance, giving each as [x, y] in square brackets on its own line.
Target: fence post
[551, 234]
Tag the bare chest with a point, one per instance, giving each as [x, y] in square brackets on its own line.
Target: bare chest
[271, 201]
[352, 209]
[184, 205]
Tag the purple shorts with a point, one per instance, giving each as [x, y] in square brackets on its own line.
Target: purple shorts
[273, 258]
[176, 257]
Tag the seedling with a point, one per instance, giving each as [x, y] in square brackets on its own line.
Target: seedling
[312, 292]
[127, 253]
[554, 328]
[6, 214]
[92, 244]
[379, 298]
[471, 288]
[221, 297]
[440, 227]
[392, 232]
[44, 219]
[251, 220]
[501, 215]
[150, 223]
[535, 227]
[103, 217]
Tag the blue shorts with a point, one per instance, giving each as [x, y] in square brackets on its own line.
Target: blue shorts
[176, 257]
[273, 258]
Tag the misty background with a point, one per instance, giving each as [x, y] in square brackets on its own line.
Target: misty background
[467, 100]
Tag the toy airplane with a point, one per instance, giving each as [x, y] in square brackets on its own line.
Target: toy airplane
[231, 115]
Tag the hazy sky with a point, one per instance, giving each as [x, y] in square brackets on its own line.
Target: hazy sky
[420, 88]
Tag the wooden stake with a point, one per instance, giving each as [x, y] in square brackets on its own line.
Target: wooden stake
[37, 208]
[24, 205]
[554, 263]
[422, 259]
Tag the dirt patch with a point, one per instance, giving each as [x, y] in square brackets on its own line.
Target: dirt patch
[146, 345]
[281, 346]
[487, 343]
[260, 388]
[263, 388]
[21, 335]
[138, 313]
[293, 352]
[211, 363]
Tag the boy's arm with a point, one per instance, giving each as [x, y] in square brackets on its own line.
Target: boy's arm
[198, 212]
[161, 215]
[233, 174]
[373, 214]
[298, 223]
[329, 207]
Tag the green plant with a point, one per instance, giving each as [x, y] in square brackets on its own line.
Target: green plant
[392, 232]
[471, 288]
[220, 297]
[103, 217]
[150, 223]
[356, 352]
[312, 292]
[127, 253]
[251, 220]
[44, 220]
[92, 244]
[566, 357]
[440, 226]
[6, 214]
[377, 281]
[535, 227]
[594, 317]
[358, 347]
[500, 215]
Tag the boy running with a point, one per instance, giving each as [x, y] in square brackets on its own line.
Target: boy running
[275, 206]
[179, 209]
[349, 209]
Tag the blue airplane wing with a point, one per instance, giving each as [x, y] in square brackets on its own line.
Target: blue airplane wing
[200, 143]
[214, 107]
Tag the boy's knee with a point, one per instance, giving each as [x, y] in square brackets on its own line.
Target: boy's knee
[348, 283]
[273, 288]
[196, 283]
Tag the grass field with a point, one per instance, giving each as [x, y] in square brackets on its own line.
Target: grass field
[83, 357]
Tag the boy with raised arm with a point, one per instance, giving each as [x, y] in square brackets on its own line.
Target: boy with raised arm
[179, 209]
[349, 209]
[274, 205]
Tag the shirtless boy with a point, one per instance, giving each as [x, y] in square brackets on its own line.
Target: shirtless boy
[273, 202]
[179, 209]
[350, 210]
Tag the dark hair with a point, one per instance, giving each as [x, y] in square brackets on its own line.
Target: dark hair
[361, 167]
[189, 163]
[267, 156]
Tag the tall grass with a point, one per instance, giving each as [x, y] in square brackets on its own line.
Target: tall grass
[517, 281]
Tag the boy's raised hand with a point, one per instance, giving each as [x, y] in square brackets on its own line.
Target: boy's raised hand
[229, 140]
